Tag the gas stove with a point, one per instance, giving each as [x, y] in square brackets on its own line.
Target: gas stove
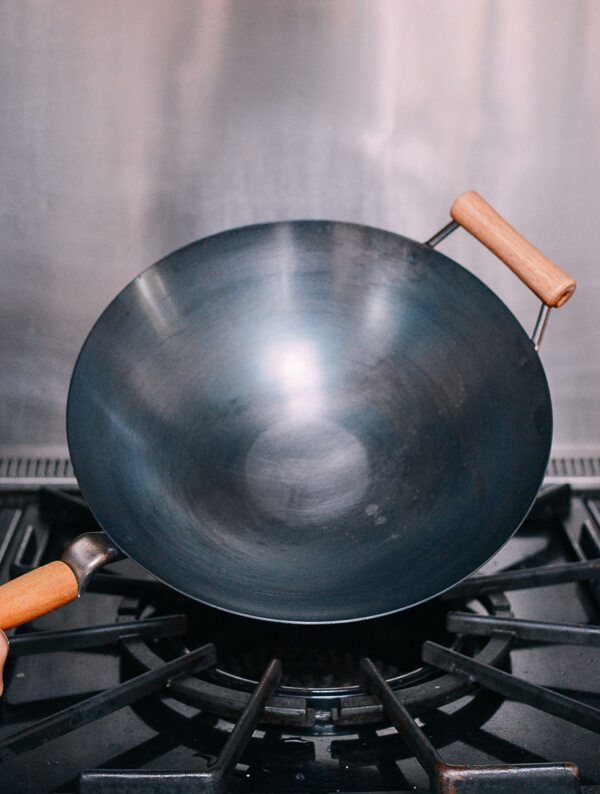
[493, 687]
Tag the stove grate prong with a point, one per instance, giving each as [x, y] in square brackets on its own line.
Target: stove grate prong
[411, 734]
[215, 779]
[97, 636]
[244, 727]
[536, 630]
[542, 576]
[513, 688]
[454, 779]
[105, 702]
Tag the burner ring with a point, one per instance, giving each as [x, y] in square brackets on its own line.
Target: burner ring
[321, 709]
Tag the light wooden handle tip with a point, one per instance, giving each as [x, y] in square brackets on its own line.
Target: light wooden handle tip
[545, 278]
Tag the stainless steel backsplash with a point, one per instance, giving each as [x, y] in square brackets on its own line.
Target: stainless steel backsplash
[131, 128]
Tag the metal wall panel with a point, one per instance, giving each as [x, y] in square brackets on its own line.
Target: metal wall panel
[128, 129]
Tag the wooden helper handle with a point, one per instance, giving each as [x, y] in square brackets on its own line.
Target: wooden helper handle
[35, 593]
[551, 284]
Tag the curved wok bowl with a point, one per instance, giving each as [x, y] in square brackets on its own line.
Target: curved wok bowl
[309, 421]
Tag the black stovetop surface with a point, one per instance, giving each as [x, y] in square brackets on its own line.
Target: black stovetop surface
[320, 750]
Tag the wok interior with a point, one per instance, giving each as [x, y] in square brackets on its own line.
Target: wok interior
[309, 422]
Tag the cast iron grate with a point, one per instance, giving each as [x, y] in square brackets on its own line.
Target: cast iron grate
[265, 701]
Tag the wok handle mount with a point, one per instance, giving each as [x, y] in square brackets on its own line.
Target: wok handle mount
[546, 279]
[55, 584]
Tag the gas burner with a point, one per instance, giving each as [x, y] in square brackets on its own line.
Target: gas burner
[317, 657]
[344, 707]
[321, 685]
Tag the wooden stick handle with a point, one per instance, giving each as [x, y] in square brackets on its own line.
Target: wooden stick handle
[551, 284]
[35, 593]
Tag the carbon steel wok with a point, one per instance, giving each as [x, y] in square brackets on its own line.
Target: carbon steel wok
[307, 421]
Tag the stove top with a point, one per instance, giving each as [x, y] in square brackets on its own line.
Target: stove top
[494, 687]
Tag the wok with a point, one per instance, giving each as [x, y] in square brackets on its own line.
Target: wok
[307, 421]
